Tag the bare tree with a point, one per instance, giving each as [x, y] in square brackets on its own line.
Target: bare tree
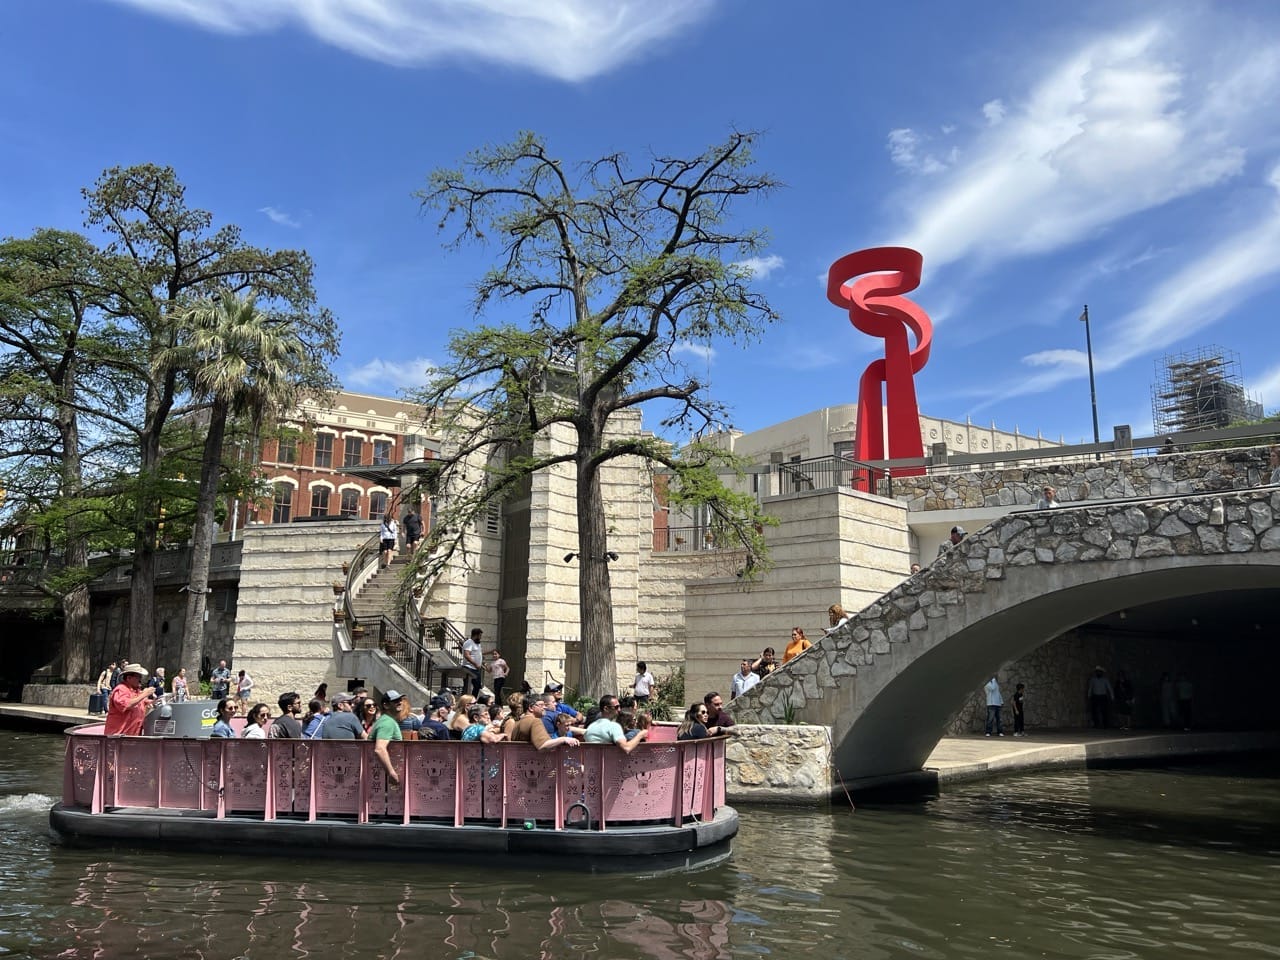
[615, 271]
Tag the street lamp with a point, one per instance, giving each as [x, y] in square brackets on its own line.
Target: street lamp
[1093, 391]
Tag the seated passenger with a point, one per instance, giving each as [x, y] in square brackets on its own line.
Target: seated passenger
[314, 719]
[259, 720]
[432, 726]
[458, 719]
[530, 729]
[515, 703]
[695, 725]
[287, 725]
[342, 724]
[480, 728]
[386, 729]
[717, 715]
[608, 730]
[222, 726]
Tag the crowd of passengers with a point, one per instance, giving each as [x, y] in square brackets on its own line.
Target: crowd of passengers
[545, 720]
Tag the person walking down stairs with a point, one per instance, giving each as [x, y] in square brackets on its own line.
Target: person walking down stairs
[389, 535]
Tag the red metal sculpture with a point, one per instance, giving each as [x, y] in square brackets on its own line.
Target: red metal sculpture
[876, 307]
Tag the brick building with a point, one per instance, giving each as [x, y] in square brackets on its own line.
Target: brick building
[307, 468]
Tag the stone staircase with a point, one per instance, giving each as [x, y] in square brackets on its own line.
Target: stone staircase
[377, 596]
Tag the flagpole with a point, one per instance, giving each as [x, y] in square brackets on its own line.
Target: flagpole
[1093, 391]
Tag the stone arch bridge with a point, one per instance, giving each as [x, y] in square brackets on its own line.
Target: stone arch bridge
[887, 681]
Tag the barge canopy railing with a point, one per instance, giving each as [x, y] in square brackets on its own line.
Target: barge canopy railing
[592, 786]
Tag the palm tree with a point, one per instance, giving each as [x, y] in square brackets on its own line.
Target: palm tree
[241, 362]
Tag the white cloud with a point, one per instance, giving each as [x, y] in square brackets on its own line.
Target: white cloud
[384, 375]
[1227, 272]
[1115, 128]
[905, 150]
[994, 111]
[1267, 389]
[759, 268]
[568, 39]
[699, 351]
[280, 217]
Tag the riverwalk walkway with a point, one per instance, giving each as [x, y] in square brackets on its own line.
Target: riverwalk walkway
[954, 759]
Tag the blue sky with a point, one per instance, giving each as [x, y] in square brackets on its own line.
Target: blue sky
[1040, 156]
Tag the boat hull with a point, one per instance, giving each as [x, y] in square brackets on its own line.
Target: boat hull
[643, 849]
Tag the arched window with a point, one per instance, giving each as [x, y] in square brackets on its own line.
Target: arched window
[377, 505]
[350, 505]
[319, 501]
[282, 510]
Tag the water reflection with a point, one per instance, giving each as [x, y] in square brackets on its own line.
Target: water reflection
[1123, 864]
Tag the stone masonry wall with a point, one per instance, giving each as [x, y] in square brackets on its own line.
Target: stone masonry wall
[778, 764]
[1161, 476]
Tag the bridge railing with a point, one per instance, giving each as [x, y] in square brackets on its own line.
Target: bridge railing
[462, 783]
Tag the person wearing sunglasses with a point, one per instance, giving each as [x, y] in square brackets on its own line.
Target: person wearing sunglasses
[259, 719]
[695, 725]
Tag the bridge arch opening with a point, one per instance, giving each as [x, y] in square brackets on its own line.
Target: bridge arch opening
[1213, 620]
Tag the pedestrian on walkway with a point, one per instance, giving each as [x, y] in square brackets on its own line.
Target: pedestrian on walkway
[1019, 710]
[994, 703]
[1124, 701]
[1100, 695]
[1184, 690]
[1168, 701]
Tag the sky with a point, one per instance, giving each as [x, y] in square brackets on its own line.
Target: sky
[1039, 156]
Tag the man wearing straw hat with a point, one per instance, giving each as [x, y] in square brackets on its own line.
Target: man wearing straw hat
[129, 702]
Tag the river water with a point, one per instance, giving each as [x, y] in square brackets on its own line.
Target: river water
[1174, 862]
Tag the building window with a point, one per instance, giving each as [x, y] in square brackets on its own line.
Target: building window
[287, 450]
[324, 450]
[490, 520]
[282, 510]
[377, 505]
[382, 451]
[353, 452]
[319, 501]
[350, 505]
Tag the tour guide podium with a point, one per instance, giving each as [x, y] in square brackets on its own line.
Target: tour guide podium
[191, 718]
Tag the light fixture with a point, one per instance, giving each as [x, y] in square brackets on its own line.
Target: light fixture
[611, 555]
[568, 557]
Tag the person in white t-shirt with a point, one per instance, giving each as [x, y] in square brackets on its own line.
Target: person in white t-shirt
[498, 669]
[644, 684]
[473, 660]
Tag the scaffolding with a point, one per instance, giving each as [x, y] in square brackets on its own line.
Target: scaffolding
[1200, 390]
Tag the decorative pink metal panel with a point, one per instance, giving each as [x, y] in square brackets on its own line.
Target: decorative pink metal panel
[245, 786]
[180, 774]
[337, 773]
[138, 772]
[82, 759]
[432, 772]
[440, 781]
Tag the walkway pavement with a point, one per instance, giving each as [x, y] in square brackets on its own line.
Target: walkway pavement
[956, 759]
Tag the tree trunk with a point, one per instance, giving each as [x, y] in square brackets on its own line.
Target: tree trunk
[595, 606]
[76, 627]
[142, 587]
[192, 652]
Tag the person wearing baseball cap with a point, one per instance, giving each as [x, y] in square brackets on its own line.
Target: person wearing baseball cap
[342, 724]
[387, 728]
[129, 702]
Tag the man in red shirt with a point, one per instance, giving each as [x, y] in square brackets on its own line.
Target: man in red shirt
[129, 702]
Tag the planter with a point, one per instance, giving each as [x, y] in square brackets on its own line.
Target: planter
[346, 567]
[338, 587]
[339, 616]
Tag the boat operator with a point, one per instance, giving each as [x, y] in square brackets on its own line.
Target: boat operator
[129, 702]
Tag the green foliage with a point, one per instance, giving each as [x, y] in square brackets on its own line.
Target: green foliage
[669, 703]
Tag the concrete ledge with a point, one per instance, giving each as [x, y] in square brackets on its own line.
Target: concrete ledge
[960, 759]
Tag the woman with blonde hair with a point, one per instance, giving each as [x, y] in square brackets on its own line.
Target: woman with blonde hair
[798, 645]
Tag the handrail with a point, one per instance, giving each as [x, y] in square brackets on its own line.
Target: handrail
[367, 554]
